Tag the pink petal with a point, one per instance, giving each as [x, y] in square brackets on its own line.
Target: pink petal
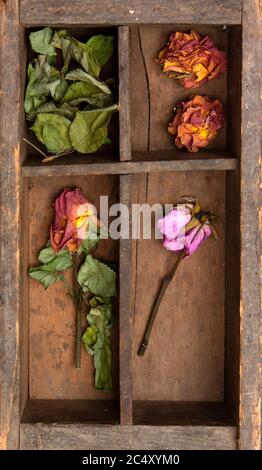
[172, 224]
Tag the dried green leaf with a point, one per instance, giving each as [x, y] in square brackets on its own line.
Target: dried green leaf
[46, 278]
[96, 339]
[41, 42]
[80, 75]
[102, 46]
[53, 131]
[97, 278]
[55, 260]
[80, 92]
[81, 53]
[43, 80]
[65, 110]
[88, 131]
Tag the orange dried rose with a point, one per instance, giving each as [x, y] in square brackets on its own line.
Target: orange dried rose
[192, 59]
[196, 122]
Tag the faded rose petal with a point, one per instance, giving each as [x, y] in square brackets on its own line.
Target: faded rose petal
[194, 55]
[73, 214]
[195, 238]
[196, 122]
[174, 245]
[173, 223]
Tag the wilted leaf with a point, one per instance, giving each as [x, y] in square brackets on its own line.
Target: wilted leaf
[58, 35]
[79, 92]
[47, 273]
[53, 131]
[60, 90]
[80, 75]
[88, 130]
[46, 278]
[65, 110]
[89, 338]
[43, 80]
[40, 42]
[83, 54]
[88, 245]
[102, 46]
[97, 341]
[103, 367]
[58, 261]
[97, 278]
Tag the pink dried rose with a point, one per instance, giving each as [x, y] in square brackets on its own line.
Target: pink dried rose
[73, 214]
[186, 227]
[196, 122]
[192, 59]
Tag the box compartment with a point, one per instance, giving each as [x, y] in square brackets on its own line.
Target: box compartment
[154, 95]
[54, 384]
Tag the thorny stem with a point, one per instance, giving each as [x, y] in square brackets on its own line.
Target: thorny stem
[165, 282]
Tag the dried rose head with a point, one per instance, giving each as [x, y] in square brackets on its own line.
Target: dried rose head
[73, 215]
[186, 227]
[196, 122]
[192, 59]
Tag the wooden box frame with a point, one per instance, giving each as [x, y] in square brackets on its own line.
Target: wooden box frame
[193, 426]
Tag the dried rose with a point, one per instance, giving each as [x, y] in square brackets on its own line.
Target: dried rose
[73, 214]
[192, 59]
[196, 122]
[186, 227]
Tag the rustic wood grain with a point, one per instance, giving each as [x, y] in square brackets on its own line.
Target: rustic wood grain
[24, 313]
[159, 413]
[155, 95]
[9, 222]
[124, 106]
[71, 411]
[232, 224]
[60, 12]
[52, 316]
[143, 162]
[125, 309]
[79, 437]
[250, 284]
[185, 357]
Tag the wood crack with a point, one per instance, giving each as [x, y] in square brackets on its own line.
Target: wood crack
[148, 89]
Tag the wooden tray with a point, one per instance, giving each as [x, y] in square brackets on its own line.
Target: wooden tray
[197, 387]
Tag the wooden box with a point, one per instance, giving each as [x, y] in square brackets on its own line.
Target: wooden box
[198, 385]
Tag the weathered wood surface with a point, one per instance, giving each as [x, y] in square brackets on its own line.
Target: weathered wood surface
[250, 282]
[61, 12]
[210, 162]
[125, 316]
[124, 106]
[232, 226]
[79, 437]
[185, 357]
[51, 313]
[159, 413]
[9, 223]
[71, 411]
[154, 95]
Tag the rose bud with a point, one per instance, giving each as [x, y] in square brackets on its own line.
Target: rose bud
[186, 227]
[192, 59]
[196, 122]
[73, 214]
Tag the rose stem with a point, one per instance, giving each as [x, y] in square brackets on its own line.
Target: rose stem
[165, 282]
[77, 302]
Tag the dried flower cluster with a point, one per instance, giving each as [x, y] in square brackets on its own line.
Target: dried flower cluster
[192, 59]
[196, 122]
